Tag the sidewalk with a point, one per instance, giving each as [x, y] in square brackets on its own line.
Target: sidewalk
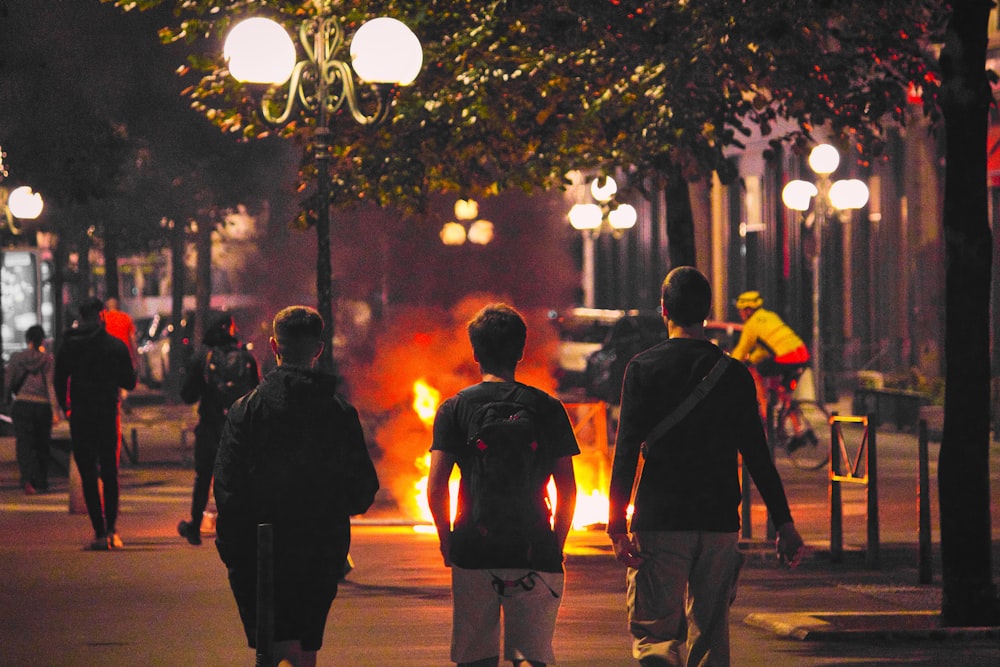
[779, 618]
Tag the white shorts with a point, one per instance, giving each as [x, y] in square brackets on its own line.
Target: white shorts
[530, 602]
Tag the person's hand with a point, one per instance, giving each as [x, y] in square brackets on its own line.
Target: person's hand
[445, 540]
[789, 545]
[626, 552]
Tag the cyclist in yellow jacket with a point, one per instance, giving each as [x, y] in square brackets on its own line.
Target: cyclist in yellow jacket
[767, 343]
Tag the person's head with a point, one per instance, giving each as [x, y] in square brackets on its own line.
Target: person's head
[111, 304]
[687, 296]
[297, 336]
[35, 336]
[220, 330]
[748, 302]
[91, 309]
[497, 334]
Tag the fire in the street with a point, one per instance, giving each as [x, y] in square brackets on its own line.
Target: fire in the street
[591, 500]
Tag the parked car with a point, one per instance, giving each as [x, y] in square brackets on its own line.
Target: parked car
[581, 332]
[631, 334]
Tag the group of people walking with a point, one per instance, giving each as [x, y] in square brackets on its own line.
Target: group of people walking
[289, 451]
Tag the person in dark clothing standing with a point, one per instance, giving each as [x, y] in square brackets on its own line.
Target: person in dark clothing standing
[681, 547]
[92, 367]
[292, 455]
[220, 373]
[35, 410]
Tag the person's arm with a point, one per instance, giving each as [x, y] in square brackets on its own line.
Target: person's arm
[50, 389]
[194, 379]
[127, 379]
[748, 339]
[565, 481]
[61, 380]
[439, 498]
[623, 469]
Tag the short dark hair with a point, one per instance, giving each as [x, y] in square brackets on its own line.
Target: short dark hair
[687, 296]
[91, 309]
[497, 334]
[297, 329]
[35, 334]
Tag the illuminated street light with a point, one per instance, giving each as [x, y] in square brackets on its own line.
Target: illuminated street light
[467, 211]
[825, 196]
[592, 219]
[385, 54]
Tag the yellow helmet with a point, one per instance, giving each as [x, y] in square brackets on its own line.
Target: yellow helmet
[749, 300]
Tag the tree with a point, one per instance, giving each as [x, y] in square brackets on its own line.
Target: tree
[969, 594]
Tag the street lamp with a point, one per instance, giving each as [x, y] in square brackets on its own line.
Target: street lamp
[384, 53]
[841, 197]
[480, 231]
[607, 215]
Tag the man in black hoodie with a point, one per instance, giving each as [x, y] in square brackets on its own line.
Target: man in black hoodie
[292, 455]
[92, 367]
[221, 372]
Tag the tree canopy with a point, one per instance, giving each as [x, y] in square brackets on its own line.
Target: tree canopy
[515, 94]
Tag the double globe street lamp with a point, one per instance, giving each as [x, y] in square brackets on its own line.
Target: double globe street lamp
[826, 197]
[384, 53]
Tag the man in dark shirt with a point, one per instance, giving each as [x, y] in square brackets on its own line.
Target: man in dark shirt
[92, 367]
[681, 546]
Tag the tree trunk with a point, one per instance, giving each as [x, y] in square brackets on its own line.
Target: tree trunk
[680, 220]
[172, 379]
[203, 288]
[969, 596]
[111, 266]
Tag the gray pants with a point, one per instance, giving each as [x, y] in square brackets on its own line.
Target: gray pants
[678, 600]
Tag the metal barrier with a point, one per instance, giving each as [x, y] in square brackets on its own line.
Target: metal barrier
[845, 469]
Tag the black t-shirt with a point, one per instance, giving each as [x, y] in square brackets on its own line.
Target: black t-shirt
[556, 440]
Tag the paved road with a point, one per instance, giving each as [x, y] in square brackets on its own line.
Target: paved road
[162, 602]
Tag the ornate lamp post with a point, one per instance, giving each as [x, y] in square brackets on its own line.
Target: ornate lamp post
[839, 197]
[592, 219]
[384, 53]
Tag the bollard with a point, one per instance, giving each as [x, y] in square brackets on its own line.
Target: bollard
[924, 509]
[265, 595]
[873, 554]
[836, 501]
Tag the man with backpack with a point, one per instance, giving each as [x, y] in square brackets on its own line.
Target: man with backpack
[222, 371]
[505, 549]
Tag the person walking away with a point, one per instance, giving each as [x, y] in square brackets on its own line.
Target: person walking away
[767, 344]
[92, 367]
[681, 546]
[222, 371]
[35, 410]
[505, 549]
[119, 324]
[292, 455]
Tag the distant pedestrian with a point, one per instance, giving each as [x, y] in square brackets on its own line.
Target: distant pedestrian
[505, 550]
[29, 378]
[681, 547]
[119, 324]
[292, 455]
[222, 371]
[92, 367]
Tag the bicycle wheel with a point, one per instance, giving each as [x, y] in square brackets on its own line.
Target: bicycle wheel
[812, 447]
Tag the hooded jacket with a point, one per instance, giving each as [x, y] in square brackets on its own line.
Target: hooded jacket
[293, 455]
[32, 369]
[91, 366]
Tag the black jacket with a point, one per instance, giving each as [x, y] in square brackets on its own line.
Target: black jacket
[292, 454]
[91, 367]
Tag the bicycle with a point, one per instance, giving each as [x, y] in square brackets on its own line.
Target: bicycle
[796, 423]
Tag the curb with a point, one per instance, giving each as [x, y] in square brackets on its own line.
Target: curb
[858, 626]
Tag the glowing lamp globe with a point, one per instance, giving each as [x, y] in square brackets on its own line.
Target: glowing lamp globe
[24, 204]
[259, 50]
[384, 50]
[797, 195]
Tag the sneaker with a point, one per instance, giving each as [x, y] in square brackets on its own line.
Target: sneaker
[100, 543]
[115, 541]
[190, 532]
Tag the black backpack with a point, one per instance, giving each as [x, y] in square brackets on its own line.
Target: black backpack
[508, 502]
[230, 373]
